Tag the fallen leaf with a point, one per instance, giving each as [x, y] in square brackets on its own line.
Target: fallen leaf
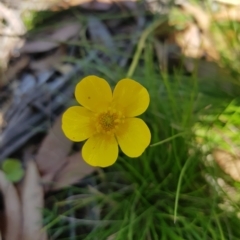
[232, 14]
[200, 15]
[229, 163]
[2, 222]
[48, 62]
[32, 204]
[161, 54]
[61, 34]
[112, 237]
[97, 5]
[63, 68]
[11, 28]
[100, 5]
[12, 208]
[190, 41]
[194, 38]
[15, 69]
[52, 154]
[229, 2]
[2, 122]
[74, 170]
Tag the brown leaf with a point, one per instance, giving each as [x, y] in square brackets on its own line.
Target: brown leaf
[10, 32]
[229, 2]
[201, 16]
[60, 35]
[16, 68]
[196, 44]
[2, 223]
[2, 122]
[100, 5]
[161, 54]
[12, 209]
[232, 14]
[229, 163]
[190, 41]
[32, 204]
[48, 62]
[74, 170]
[63, 68]
[52, 154]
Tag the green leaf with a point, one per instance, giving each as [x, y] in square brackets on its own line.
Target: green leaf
[13, 170]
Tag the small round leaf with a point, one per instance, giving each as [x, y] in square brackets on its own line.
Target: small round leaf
[13, 170]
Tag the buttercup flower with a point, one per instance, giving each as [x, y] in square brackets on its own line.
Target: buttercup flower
[108, 119]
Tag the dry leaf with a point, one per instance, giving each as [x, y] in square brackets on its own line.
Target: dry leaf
[32, 204]
[63, 68]
[48, 62]
[161, 53]
[228, 163]
[2, 123]
[196, 40]
[11, 27]
[30, 5]
[201, 17]
[229, 2]
[2, 223]
[190, 41]
[12, 209]
[16, 68]
[52, 154]
[74, 170]
[112, 237]
[97, 5]
[232, 14]
[62, 34]
[100, 5]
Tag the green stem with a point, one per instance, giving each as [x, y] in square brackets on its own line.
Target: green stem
[179, 188]
[168, 139]
[141, 44]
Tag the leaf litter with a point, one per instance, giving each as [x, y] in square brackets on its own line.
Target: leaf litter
[62, 34]
[12, 210]
[40, 85]
[75, 169]
[53, 151]
[32, 196]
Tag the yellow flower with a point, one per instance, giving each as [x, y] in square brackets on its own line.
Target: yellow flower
[107, 119]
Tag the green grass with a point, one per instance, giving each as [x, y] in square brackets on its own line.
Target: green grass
[164, 194]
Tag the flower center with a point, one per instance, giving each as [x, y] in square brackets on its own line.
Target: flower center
[108, 121]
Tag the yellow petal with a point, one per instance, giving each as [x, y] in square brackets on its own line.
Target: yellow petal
[130, 97]
[77, 123]
[94, 93]
[100, 150]
[133, 137]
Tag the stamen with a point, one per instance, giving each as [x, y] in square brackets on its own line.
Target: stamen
[108, 121]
